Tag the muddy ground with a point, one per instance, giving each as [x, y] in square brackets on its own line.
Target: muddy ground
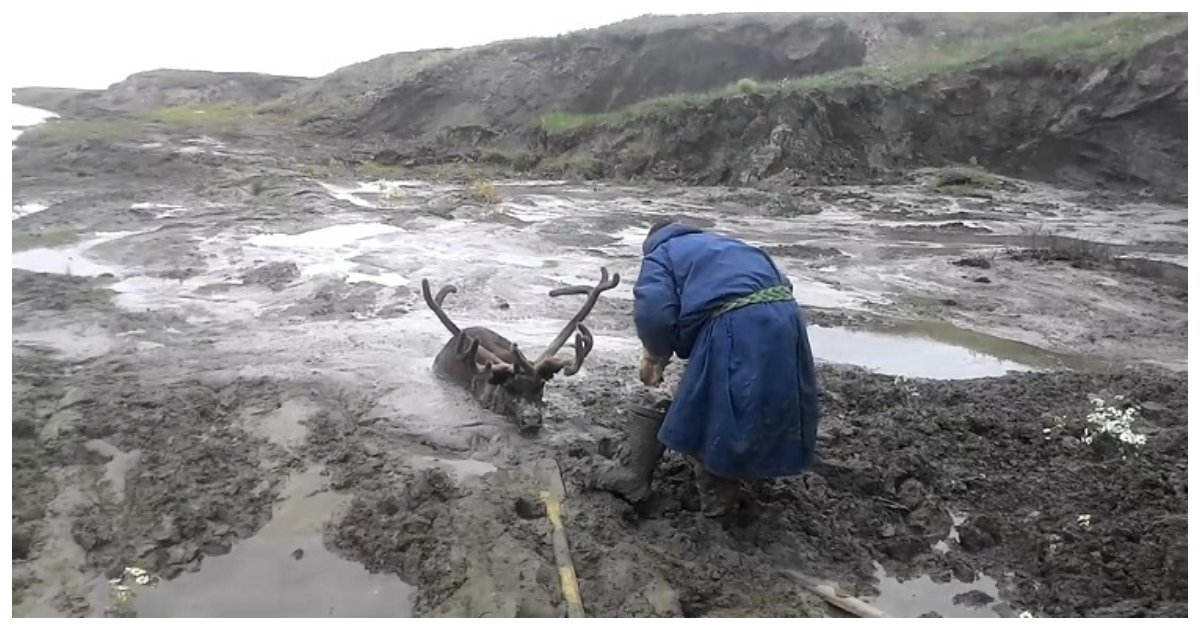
[221, 377]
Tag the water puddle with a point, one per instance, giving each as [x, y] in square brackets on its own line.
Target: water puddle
[906, 355]
[921, 595]
[25, 209]
[459, 468]
[75, 342]
[283, 571]
[68, 260]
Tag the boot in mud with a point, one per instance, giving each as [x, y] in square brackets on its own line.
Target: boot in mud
[632, 479]
[718, 496]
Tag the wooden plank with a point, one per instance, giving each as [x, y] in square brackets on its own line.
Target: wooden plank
[553, 494]
[834, 596]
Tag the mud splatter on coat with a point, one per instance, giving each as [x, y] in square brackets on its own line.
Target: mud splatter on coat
[748, 405]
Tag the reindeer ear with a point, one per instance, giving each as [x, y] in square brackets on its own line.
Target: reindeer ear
[499, 374]
[548, 368]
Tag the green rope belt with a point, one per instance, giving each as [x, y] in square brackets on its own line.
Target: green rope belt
[779, 293]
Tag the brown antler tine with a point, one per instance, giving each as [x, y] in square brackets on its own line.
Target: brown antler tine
[519, 360]
[446, 290]
[435, 305]
[605, 284]
[578, 289]
[584, 342]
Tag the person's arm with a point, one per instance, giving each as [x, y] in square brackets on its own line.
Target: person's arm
[656, 309]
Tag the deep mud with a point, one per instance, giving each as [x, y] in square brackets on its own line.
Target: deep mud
[215, 369]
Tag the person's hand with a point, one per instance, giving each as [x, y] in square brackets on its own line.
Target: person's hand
[651, 370]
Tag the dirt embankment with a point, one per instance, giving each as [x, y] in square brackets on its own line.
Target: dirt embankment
[505, 85]
[1121, 125]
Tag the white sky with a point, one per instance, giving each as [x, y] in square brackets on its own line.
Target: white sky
[95, 43]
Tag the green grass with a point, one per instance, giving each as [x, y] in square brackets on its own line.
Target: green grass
[209, 118]
[1108, 38]
[962, 181]
[54, 238]
[572, 166]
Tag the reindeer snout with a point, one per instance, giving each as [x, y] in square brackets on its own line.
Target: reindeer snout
[529, 417]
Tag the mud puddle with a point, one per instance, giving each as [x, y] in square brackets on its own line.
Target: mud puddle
[910, 356]
[283, 571]
[921, 596]
[70, 260]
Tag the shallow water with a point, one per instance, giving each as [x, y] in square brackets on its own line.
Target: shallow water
[283, 571]
[68, 260]
[920, 595]
[25, 209]
[911, 356]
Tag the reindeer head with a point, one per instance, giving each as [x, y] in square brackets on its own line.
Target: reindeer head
[494, 369]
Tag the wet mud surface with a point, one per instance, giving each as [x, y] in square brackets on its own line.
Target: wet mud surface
[228, 387]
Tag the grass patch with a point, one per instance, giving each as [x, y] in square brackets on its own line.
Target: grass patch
[55, 238]
[1108, 38]
[573, 165]
[485, 192]
[1046, 246]
[965, 182]
[62, 131]
[209, 118]
[789, 206]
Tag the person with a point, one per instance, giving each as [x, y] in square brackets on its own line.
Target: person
[747, 406]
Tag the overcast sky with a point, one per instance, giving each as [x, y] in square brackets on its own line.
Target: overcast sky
[98, 42]
[94, 43]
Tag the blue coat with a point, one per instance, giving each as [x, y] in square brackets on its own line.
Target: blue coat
[747, 406]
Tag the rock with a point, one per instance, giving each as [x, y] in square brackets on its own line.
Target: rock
[978, 533]
[216, 547]
[298, 554]
[911, 493]
[976, 262]
[973, 599]
[905, 548]
[983, 280]
[930, 615]
[275, 276]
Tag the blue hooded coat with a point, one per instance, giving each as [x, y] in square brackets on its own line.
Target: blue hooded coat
[748, 405]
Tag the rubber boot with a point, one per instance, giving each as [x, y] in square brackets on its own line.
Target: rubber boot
[718, 496]
[643, 452]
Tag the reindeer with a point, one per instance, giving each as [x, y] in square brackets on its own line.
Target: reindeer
[495, 371]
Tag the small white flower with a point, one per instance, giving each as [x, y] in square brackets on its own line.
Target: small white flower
[134, 571]
[143, 579]
[1026, 615]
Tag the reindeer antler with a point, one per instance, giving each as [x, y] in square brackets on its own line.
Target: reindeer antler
[593, 294]
[583, 346]
[435, 304]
